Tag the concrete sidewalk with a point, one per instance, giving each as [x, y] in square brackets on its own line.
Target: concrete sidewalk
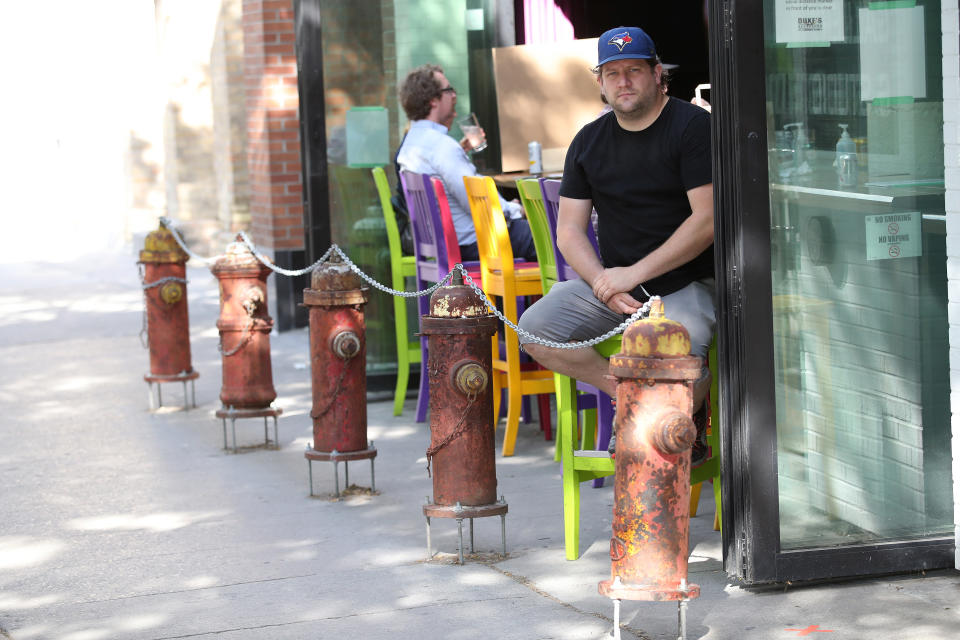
[120, 523]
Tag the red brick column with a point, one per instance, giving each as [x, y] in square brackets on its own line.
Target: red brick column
[273, 135]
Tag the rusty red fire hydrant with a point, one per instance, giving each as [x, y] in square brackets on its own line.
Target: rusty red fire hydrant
[245, 326]
[338, 362]
[655, 430]
[461, 451]
[166, 321]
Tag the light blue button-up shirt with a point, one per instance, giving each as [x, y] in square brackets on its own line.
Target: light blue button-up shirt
[428, 149]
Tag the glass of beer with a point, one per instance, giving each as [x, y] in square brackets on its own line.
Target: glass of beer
[472, 131]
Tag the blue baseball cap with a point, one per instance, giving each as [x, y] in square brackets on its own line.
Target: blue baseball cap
[624, 43]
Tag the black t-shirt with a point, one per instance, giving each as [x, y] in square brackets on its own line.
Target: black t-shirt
[638, 182]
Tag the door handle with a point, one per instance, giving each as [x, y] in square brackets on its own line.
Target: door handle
[756, 158]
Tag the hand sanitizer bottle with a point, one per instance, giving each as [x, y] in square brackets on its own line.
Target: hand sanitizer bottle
[846, 159]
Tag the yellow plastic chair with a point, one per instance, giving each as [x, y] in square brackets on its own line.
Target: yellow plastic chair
[401, 267]
[501, 277]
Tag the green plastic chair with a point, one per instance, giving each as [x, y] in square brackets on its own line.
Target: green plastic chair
[531, 197]
[710, 469]
[584, 463]
[401, 267]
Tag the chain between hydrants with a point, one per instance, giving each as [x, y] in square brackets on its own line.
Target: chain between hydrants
[642, 312]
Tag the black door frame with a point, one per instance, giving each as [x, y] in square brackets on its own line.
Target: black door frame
[751, 517]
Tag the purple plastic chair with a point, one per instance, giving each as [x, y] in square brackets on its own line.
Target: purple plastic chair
[432, 259]
[436, 252]
[551, 204]
[473, 268]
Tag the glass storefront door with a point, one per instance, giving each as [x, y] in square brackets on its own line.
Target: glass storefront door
[856, 314]
[858, 271]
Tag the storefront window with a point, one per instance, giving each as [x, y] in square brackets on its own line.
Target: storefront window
[858, 259]
[368, 48]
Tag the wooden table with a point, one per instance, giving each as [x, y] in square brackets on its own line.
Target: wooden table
[509, 180]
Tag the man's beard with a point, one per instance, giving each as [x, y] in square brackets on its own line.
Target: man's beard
[644, 106]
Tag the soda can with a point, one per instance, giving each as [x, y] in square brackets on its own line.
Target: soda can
[535, 156]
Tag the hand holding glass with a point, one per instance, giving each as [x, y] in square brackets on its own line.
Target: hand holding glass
[476, 138]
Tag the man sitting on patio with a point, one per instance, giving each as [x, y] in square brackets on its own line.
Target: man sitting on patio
[646, 168]
[431, 105]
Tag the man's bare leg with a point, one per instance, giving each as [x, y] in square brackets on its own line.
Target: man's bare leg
[589, 366]
[701, 388]
[583, 364]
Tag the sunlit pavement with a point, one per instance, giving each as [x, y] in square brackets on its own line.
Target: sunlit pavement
[116, 522]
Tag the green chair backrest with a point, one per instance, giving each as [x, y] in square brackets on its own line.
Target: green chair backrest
[390, 218]
[532, 199]
[401, 267]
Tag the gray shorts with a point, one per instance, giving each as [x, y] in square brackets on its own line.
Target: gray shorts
[571, 313]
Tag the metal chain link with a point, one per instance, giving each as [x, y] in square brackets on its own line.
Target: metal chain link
[157, 283]
[642, 312]
[386, 289]
[168, 223]
[457, 430]
[269, 263]
[244, 339]
[144, 334]
[144, 323]
[299, 272]
[336, 393]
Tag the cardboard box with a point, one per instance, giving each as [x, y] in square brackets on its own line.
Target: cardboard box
[545, 92]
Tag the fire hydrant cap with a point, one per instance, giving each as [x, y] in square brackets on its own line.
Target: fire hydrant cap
[656, 336]
[456, 300]
[334, 275]
[238, 257]
[161, 246]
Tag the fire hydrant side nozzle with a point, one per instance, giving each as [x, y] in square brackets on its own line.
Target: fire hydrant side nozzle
[655, 431]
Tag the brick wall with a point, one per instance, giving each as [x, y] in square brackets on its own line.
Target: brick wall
[950, 25]
[273, 137]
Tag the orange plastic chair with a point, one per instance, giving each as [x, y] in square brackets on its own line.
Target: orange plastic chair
[501, 277]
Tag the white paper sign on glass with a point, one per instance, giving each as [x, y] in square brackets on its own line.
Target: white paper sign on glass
[893, 235]
[809, 21]
[892, 54]
[367, 137]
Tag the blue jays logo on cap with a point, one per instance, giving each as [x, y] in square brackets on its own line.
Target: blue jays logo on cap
[624, 43]
[620, 40]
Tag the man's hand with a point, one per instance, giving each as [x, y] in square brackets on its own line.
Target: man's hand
[468, 143]
[703, 104]
[613, 281]
[623, 303]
